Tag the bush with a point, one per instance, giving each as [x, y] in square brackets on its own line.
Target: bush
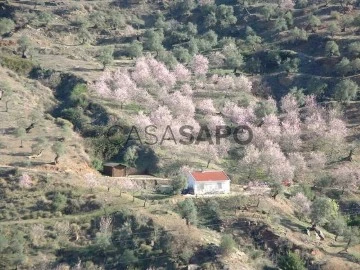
[17, 64]
[291, 261]
[6, 26]
[78, 94]
[332, 49]
[227, 244]
[346, 90]
[59, 202]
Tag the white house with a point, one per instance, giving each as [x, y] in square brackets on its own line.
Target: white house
[208, 182]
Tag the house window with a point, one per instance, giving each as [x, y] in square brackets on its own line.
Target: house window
[219, 185]
[200, 186]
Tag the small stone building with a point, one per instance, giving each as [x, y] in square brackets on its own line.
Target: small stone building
[115, 169]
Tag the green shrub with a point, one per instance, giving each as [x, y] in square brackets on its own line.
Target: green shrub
[291, 261]
[78, 94]
[227, 244]
[6, 26]
[97, 164]
[59, 202]
[17, 64]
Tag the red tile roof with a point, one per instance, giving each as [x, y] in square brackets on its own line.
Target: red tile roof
[209, 176]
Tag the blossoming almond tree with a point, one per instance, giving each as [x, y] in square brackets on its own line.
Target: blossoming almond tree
[206, 106]
[251, 161]
[200, 65]
[25, 181]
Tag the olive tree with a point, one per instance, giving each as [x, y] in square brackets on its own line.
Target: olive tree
[6, 26]
[106, 56]
[332, 49]
[314, 22]
[178, 183]
[188, 211]
[135, 49]
[323, 210]
[354, 48]
[59, 149]
[24, 45]
[346, 90]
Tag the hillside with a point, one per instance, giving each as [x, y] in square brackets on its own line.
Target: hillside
[266, 91]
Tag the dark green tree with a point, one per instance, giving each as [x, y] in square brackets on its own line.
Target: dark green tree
[24, 45]
[332, 49]
[178, 183]
[227, 244]
[135, 49]
[106, 56]
[291, 261]
[154, 40]
[188, 211]
[6, 26]
[346, 90]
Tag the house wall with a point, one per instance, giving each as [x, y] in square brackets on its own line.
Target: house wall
[191, 181]
[119, 171]
[211, 187]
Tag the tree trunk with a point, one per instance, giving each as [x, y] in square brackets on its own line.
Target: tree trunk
[21, 143]
[275, 195]
[208, 163]
[348, 245]
[56, 160]
[6, 106]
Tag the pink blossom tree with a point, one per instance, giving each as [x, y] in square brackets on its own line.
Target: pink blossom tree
[117, 86]
[186, 89]
[289, 104]
[259, 136]
[214, 121]
[213, 152]
[239, 115]
[206, 106]
[25, 181]
[301, 204]
[180, 105]
[223, 83]
[251, 161]
[315, 127]
[91, 181]
[316, 161]
[200, 65]
[142, 74]
[206, 2]
[161, 73]
[271, 127]
[291, 132]
[297, 161]
[286, 4]
[217, 59]
[347, 178]
[242, 84]
[275, 163]
[181, 73]
[335, 136]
